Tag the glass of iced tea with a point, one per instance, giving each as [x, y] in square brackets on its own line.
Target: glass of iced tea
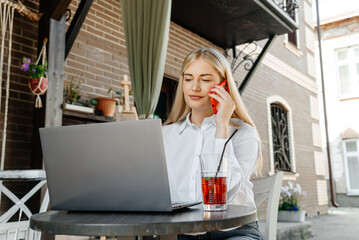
[214, 182]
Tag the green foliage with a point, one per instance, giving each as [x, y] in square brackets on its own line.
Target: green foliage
[304, 234]
[93, 101]
[33, 70]
[116, 95]
[113, 94]
[72, 90]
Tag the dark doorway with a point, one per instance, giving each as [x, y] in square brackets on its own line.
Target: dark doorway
[167, 95]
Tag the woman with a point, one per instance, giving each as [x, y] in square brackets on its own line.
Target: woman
[193, 129]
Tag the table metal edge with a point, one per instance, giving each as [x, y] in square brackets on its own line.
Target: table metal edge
[141, 229]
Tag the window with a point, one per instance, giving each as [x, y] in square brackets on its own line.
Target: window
[280, 132]
[347, 63]
[351, 159]
[280, 138]
[291, 9]
[165, 101]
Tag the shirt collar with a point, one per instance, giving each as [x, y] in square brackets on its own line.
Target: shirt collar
[187, 122]
[212, 119]
[184, 124]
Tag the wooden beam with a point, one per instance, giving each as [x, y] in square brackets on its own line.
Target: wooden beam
[60, 9]
[47, 7]
[54, 48]
[76, 24]
[23, 10]
[56, 73]
[46, 28]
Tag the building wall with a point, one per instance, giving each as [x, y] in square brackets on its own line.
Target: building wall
[342, 120]
[287, 73]
[301, 57]
[305, 150]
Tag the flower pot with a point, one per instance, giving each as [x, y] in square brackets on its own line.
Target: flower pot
[36, 87]
[291, 216]
[106, 105]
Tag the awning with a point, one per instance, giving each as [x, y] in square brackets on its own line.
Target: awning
[228, 23]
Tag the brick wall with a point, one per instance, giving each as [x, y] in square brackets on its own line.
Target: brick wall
[298, 98]
[98, 57]
[21, 100]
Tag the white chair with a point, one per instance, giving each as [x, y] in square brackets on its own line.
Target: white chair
[269, 187]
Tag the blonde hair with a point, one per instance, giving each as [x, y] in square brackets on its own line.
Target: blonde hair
[220, 63]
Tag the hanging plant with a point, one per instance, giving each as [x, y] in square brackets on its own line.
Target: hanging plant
[38, 75]
[33, 70]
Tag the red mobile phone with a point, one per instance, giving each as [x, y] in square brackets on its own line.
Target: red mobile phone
[214, 102]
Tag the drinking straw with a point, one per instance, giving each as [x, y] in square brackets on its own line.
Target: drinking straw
[224, 148]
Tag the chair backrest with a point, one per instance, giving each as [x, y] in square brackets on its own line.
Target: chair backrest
[269, 187]
[20, 229]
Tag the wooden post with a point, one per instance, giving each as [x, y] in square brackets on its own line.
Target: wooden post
[51, 113]
[127, 113]
[126, 84]
[56, 75]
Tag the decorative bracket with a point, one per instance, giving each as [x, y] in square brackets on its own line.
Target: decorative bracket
[250, 59]
[76, 24]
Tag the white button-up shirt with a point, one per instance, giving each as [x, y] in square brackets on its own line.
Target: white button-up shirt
[184, 142]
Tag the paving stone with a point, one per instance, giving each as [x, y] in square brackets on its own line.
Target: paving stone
[339, 223]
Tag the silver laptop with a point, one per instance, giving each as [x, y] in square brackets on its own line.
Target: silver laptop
[118, 166]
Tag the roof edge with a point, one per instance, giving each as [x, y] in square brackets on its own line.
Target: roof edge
[339, 17]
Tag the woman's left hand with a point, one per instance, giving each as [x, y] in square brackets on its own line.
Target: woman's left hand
[225, 107]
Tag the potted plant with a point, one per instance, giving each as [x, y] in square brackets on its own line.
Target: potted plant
[72, 91]
[38, 78]
[72, 96]
[108, 104]
[289, 210]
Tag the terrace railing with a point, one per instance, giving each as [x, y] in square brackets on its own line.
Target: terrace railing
[289, 6]
[20, 229]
